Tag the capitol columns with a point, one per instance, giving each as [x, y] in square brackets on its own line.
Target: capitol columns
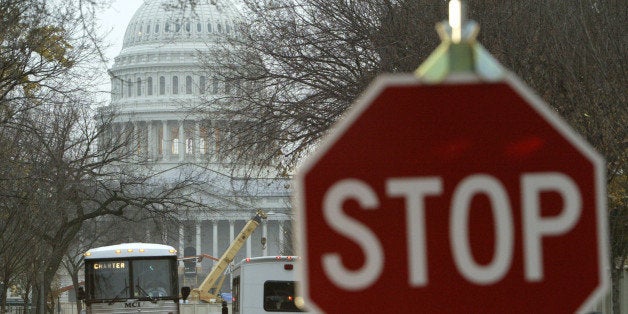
[282, 241]
[215, 238]
[181, 140]
[197, 140]
[181, 238]
[198, 242]
[136, 140]
[165, 151]
[265, 236]
[150, 140]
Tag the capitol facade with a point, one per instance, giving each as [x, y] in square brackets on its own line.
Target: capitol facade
[156, 82]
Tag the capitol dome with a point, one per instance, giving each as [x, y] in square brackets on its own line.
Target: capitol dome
[159, 62]
[156, 79]
[160, 22]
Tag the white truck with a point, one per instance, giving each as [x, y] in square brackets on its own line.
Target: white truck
[266, 284]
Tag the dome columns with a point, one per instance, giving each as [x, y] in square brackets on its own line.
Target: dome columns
[165, 152]
[182, 142]
[168, 140]
[152, 145]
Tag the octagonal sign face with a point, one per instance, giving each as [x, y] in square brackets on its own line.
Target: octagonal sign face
[461, 197]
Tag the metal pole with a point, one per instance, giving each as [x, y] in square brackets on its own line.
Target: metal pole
[457, 18]
[459, 52]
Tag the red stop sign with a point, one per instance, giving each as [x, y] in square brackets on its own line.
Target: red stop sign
[463, 197]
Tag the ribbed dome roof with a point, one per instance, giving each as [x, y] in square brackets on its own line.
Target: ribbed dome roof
[159, 21]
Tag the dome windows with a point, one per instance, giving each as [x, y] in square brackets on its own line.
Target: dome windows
[202, 84]
[149, 86]
[175, 85]
[119, 83]
[143, 86]
[188, 84]
[215, 86]
[162, 85]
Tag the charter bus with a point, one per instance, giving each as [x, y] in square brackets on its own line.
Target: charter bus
[265, 285]
[131, 277]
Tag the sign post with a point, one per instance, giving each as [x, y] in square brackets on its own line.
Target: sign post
[466, 196]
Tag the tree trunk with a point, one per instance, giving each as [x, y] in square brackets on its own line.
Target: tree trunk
[26, 299]
[76, 284]
[617, 273]
[3, 302]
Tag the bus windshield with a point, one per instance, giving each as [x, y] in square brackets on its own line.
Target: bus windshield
[136, 278]
[152, 278]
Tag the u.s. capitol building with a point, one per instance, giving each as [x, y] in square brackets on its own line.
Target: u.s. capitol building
[156, 80]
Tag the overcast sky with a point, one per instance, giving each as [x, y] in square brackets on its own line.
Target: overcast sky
[115, 19]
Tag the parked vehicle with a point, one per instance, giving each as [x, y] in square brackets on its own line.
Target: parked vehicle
[266, 284]
[131, 277]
